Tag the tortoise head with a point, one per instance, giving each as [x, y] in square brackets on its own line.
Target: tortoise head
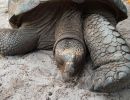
[70, 56]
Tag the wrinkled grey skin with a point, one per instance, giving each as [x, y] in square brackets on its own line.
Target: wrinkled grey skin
[74, 31]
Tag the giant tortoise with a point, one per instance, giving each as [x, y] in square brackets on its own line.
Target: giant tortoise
[74, 30]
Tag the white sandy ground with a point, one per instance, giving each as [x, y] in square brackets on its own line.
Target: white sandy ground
[35, 76]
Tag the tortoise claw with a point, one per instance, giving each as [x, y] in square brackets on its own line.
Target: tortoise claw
[111, 77]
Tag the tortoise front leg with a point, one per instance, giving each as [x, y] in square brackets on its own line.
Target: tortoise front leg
[109, 52]
[69, 49]
[17, 41]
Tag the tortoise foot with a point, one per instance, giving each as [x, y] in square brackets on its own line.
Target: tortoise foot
[111, 77]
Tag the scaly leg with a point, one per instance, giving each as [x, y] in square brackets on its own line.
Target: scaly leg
[109, 52]
[17, 41]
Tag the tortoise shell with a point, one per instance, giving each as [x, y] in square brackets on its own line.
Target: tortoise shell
[18, 7]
